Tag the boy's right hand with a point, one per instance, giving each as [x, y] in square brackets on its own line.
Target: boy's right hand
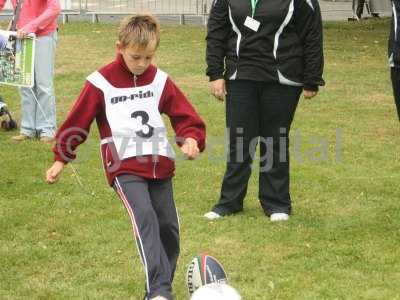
[53, 173]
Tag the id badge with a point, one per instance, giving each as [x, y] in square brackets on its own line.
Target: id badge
[252, 24]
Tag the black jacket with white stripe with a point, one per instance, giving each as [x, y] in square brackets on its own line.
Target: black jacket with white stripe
[394, 39]
[287, 48]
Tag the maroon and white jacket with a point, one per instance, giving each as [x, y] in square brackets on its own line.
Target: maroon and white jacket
[95, 102]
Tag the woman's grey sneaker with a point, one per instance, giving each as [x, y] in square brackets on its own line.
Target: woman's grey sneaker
[276, 217]
[212, 215]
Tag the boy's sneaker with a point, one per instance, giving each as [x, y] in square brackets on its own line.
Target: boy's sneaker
[212, 216]
[276, 217]
[159, 298]
[20, 138]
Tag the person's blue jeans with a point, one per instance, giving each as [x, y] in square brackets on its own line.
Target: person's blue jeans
[38, 107]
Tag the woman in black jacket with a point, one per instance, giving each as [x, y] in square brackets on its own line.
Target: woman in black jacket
[262, 54]
[394, 53]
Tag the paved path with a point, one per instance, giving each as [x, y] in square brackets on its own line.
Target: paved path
[332, 10]
[335, 10]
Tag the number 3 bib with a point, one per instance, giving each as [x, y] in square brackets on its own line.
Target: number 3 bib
[135, 121]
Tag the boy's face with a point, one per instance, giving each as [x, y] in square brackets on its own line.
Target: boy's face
[137, 58]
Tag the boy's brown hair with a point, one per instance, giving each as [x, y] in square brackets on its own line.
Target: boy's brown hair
[139, 30]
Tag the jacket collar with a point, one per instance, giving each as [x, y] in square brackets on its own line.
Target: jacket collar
[146, 75]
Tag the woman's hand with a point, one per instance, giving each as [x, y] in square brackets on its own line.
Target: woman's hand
[309, 94]
[21, 34]
[218, 89]
[54, 172]
[190, 148]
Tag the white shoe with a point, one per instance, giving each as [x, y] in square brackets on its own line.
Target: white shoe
[276, 217]
[212, 215]
[159, 298]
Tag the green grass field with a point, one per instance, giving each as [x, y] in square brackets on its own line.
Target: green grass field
[65, 242]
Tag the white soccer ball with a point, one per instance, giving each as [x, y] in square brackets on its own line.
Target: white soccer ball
[216, 291]
[202, 270]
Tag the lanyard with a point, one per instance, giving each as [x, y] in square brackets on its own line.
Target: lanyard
[253, 6]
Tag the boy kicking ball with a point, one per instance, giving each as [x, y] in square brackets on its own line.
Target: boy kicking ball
[127, 98]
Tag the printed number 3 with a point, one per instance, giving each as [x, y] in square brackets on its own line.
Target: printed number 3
[145, 119]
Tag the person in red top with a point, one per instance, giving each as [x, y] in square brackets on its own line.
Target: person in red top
[38, 108]
[127, 98]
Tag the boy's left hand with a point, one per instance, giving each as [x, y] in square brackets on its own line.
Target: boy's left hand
[190, 148]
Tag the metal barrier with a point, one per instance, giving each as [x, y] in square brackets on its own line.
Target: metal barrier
[70, 7]
[94, 8]
[165, 7]
[181, 8]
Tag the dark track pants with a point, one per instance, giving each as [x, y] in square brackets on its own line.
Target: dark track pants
[395, 74]
[154, 218]
[360, 8]
[263, 112]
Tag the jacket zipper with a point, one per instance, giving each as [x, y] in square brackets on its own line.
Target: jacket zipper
[154, 169]
[135, 80]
